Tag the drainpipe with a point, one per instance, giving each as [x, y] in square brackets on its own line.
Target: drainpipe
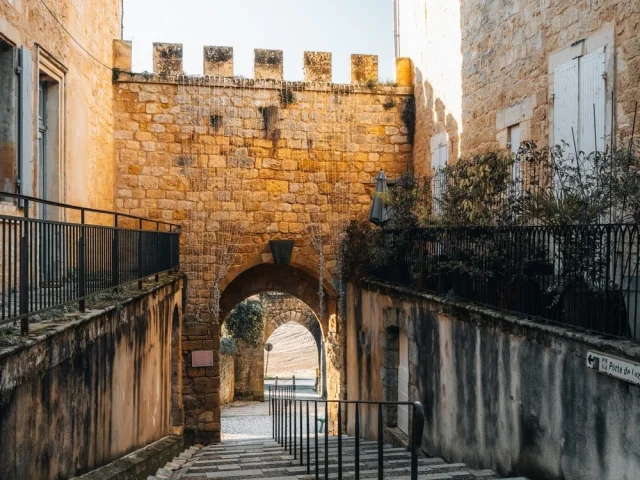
[396, 26]
[121, 19]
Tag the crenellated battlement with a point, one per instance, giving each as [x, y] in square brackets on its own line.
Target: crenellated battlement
[268, 64]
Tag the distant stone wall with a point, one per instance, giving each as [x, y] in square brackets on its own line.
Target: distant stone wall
[249, 371]
[82, 393]
[227, 379]
[500, 392]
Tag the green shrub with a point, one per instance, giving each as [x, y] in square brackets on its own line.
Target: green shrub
[246, 321]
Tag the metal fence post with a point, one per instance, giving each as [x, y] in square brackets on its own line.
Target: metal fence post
[24, 273]
[81, 264]
[140, 264]
[417, 429]
[380, 444]
[115, 255]
[157, 250]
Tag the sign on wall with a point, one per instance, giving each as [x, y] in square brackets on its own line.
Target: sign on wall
[202, 358]
[615, 367]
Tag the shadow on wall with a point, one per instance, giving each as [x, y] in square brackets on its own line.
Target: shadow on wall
[437, 132]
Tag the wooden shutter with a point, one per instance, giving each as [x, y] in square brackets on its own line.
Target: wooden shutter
[592, 102]
[26, 122]
[565, 104]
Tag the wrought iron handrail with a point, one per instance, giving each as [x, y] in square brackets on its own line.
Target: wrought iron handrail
[48, 263]
[288, 414]
[281, 391]
[585, 276]
[66, 206]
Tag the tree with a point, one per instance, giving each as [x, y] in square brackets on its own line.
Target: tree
[246, 322]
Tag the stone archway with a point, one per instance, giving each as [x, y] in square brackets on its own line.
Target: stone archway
[202, 382]
[269, 277]
[298, 312]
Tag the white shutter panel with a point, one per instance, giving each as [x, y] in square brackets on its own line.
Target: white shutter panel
[592, 92]
[565, 104]
[26, 122]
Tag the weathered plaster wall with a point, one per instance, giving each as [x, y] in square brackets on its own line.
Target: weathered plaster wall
[227, 379]
[87, 159]
[89, 391]
[499, 392]
[481, 66]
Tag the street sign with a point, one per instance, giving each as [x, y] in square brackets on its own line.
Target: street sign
[615, 367]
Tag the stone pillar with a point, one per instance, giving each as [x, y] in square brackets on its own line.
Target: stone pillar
[364, 69]
[404, 72]
[122, 55]
[249, 371]
[317, 67]
[201, 385]
[268, 64]
[218, 61]
[167, 58]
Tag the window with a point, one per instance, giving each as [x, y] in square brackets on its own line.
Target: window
[8, 118]
[579, 102]
[516, 170]
[50, 127]
[439, 158]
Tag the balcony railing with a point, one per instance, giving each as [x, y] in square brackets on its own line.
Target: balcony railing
[53, 254]
[586, 276]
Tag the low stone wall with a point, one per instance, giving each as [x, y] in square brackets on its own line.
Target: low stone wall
[499, 391]
[249, 372]
[85, 391]
[227, 379]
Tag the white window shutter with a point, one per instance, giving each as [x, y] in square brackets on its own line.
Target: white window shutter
[565, 104]
[592, 93]
[26, 122]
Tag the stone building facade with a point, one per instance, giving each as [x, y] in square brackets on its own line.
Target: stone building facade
[56, 93]
[495, 73]
[246, 162]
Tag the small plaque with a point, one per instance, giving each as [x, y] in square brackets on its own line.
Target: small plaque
[202, 358]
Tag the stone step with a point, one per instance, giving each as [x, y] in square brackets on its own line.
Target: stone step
[265, 459]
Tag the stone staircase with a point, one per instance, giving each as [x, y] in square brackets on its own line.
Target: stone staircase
[267, 460]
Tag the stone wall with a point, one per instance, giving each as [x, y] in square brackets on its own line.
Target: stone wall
[484, 66]
[227, 379]
[83, 392]
[266, 160]
[249, 371]
[499, 392]
[85, 163]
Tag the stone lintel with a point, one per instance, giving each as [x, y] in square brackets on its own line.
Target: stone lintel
[122, 55]
[167, 58]
[218, 61]
[364, 69]
[317, 67]
[268, 64]
[404, 72]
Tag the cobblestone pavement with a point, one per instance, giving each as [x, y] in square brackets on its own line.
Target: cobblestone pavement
[251, 420]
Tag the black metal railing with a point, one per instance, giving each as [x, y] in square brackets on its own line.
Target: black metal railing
[584, 276]
[53, 254]
[293, 429]
[281, 391]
